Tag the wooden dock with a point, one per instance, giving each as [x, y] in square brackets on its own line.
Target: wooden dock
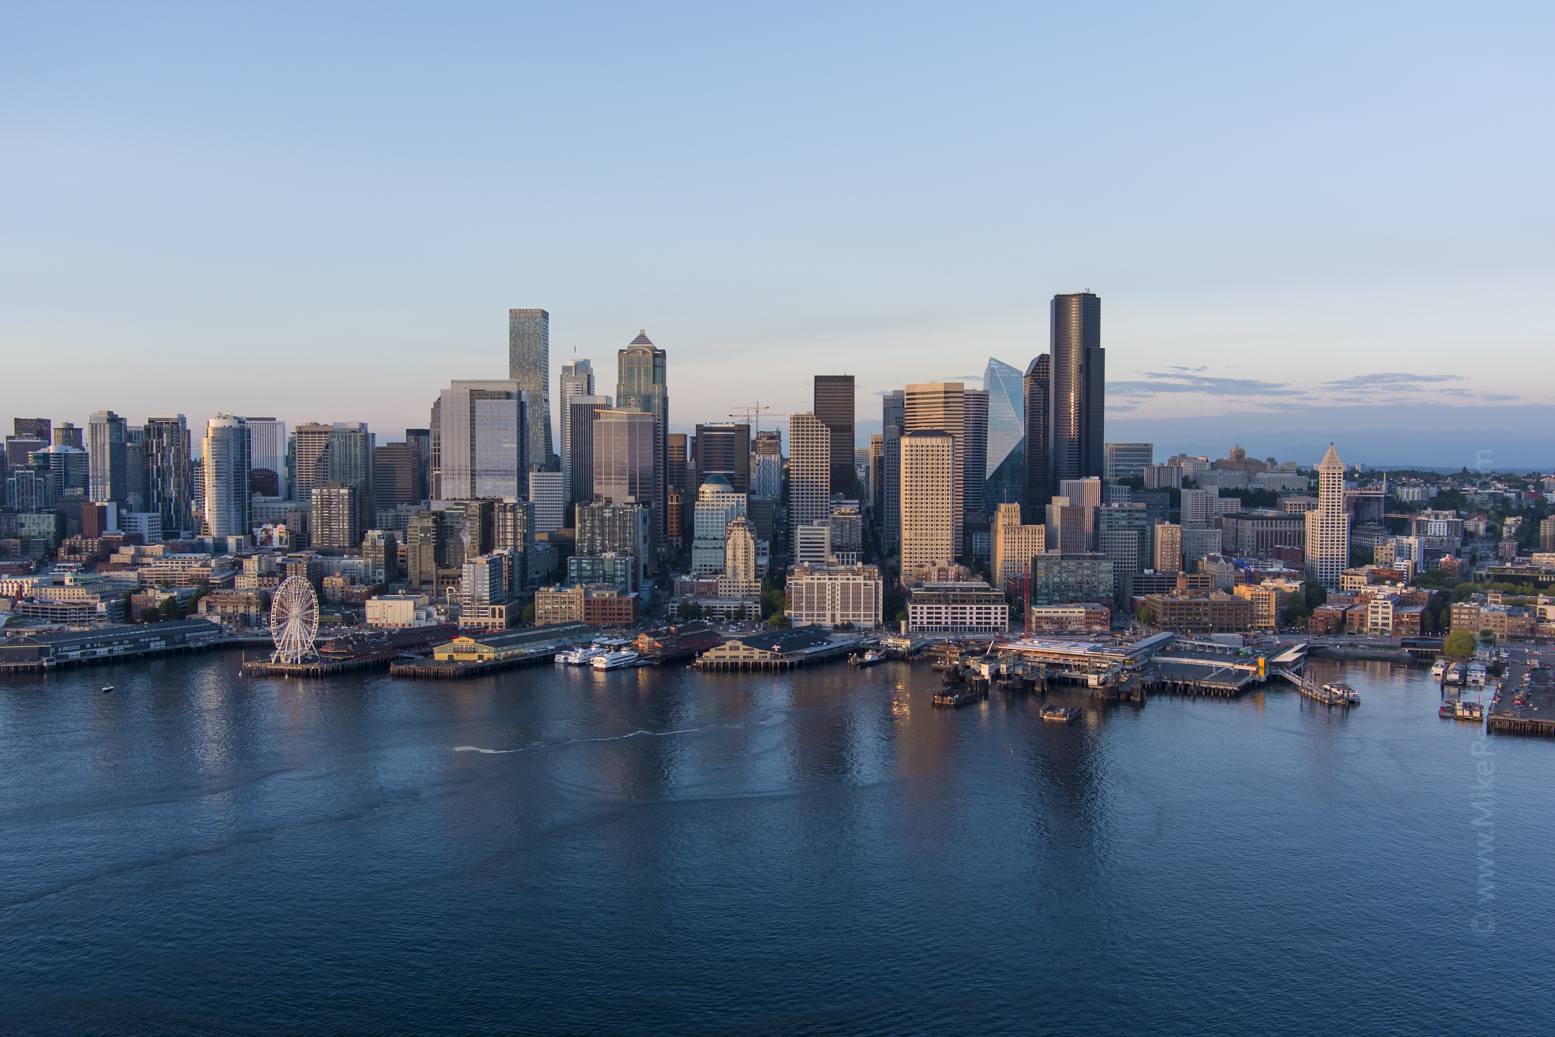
[445, 670]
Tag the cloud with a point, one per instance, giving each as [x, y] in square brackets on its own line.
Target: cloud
[1113, 408]
[1180, 380]
[1390, 379]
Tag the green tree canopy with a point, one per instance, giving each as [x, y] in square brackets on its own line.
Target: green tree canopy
[1459, 642]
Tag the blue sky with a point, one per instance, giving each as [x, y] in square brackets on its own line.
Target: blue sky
[323, 212]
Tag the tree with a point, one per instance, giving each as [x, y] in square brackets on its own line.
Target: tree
[779, 621]
[1459, 642]
[528, 615]
[1315, 594]
[1487, 637]
[1146, 615]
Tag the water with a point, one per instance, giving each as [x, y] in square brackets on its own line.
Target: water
[663, 852]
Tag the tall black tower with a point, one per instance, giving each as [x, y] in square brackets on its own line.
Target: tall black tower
[1078, 387]
[1038, 490]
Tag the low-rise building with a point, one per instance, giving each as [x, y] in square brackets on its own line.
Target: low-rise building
[832, 595]
[1214, 613]
[1265, 599]
[1074, 617]
[968, 607]
[400, 610]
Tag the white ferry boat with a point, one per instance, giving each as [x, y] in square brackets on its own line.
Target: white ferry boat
[583, 655]
[1439, 670]
[615, 660]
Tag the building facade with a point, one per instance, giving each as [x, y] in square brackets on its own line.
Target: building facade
[809, 472]
[820, 595]
[929, 500]
[1078, 386]
[834, 397]
[529, 367]
[1327, 544]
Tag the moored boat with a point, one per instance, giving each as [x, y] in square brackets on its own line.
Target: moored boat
[1061, 714]
[1457, 709]
[583, 655]
[868, 658]
[1439, 670]
[615, 660]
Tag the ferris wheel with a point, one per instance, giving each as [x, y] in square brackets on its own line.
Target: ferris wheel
[294, 620]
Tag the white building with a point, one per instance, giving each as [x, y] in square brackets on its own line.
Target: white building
[1328, 528]
[399, 610]
[809, 472]
[929, 499]
[717, 505]
[962, 607]
[547, 492]
[812, 543]
[831, 595]
[740, 579]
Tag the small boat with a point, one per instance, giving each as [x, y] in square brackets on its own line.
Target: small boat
[951, 698]
[1455, 673]
[869, 658]
[1061, 714]
[1457, 709]
[1477, 673]
[107, 688]
[1439, 670]
[615, 660]
[1342, 694]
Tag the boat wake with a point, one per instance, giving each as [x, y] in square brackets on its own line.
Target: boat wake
[775, 718]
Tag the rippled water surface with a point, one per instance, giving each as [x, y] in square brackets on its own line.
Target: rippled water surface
[662, 852]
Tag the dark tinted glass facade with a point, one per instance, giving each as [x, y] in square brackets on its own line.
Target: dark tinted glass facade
[834, 409]
[529, 364]
[1078, 387]
[1039, 430]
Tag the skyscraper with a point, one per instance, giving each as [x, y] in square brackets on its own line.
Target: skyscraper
[67, 434]
[135, 467]
[167, 471]
[581, 411]
[396, 476]
[1328, 527]
[105, 436]
[529, 364]
[577, 379]
[1005, 481]
[975, 456]
[893, 418]
[624, 462]
[1078, 386]
[724, 449]
[267, 446]
[1039, 485]
[224, 456]
[481, 440]
[642, 385]
[809, 472]
[420, 440]
[834, 409]
[929, 500]
[941, 407]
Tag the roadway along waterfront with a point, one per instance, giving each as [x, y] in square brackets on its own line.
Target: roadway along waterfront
[664, 851]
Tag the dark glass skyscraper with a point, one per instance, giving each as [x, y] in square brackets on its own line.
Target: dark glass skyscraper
[1037, 492]
[834, 409]
[1078, 387]
[529, 364]
[724, 449]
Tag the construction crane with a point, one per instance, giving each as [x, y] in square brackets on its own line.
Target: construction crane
[752, 415]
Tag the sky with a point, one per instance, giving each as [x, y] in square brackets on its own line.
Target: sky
[1305, 222]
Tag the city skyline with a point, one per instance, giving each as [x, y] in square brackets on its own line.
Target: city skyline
[1302, 248]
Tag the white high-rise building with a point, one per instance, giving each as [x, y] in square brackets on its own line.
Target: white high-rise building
[546, 490]
[809, 473]
[267, 449]
[941, 407]
[1328, 527]
[224, 457]
[718, 504]
[929, 499]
